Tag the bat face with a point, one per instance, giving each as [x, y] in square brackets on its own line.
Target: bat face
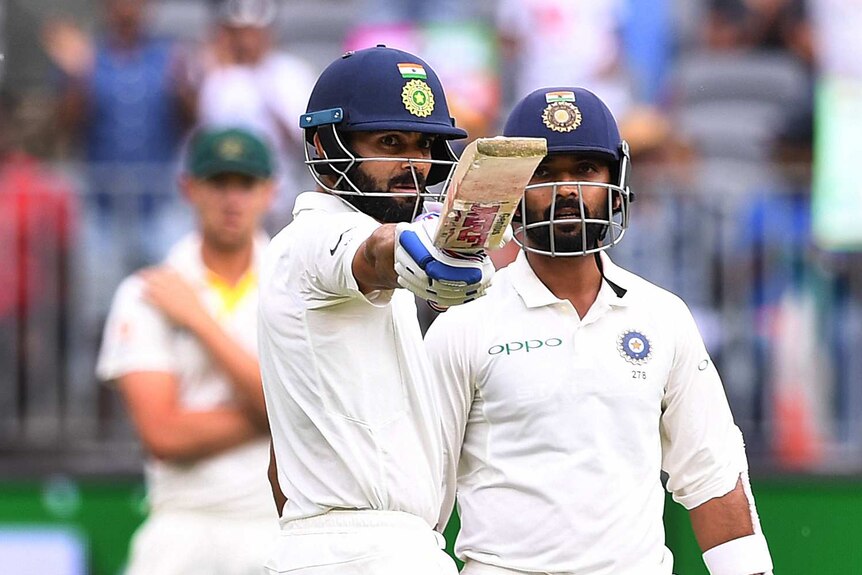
[485, 191]
[477, 225]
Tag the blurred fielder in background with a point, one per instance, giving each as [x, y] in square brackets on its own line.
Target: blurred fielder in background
[181, 345]
[354, 416]
[575, 383]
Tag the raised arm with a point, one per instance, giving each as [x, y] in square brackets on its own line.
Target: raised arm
[166, 290]
[374, 261]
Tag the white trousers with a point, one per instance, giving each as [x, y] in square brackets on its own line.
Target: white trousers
[476, 568]
[360, 543]
[179, 543]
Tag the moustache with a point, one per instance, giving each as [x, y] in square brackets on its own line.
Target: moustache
[567, 203]
[407, 180]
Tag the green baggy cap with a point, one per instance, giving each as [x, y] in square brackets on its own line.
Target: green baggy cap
[228, 151]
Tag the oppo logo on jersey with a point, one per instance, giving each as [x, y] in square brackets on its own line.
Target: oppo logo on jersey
[525, 346]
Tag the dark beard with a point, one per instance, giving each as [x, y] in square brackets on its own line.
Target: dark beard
[565, 241]
[391, 210]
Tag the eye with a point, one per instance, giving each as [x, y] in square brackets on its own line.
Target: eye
[426, 143]
[542, 171]
[219, 182]
[390, 140]
[588, 168]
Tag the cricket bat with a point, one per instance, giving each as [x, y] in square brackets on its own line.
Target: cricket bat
[485, 191]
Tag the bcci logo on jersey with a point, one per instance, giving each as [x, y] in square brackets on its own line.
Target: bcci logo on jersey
[634, 347]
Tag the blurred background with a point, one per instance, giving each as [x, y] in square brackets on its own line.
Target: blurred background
[743, 118]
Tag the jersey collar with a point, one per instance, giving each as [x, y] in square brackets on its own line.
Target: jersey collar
[614, 278]
[321, 201]
[535, 294]
[185, 256]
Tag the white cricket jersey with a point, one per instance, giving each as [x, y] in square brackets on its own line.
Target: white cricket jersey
[138, 337]
[570, 421]
[353, 416]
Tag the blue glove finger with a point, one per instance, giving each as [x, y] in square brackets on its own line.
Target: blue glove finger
[415, 248]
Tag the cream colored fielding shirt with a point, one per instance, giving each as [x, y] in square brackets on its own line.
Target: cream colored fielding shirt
[569, 423]
[138, 337]
[352, 409]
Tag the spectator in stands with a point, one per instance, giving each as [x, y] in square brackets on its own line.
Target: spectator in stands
[415, 11]
[36, 226]
[122, 108]
[121, 103]
[760, 24]
[573, 42]
[247, 81]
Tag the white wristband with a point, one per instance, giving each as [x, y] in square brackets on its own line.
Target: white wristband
[744, 556]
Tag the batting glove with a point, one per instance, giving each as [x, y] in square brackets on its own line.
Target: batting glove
[441, 277]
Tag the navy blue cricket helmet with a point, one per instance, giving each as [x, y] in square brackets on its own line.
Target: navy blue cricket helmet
[376, 89]
[573, 121]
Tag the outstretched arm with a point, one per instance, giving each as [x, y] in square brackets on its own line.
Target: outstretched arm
[374, 261]
[403, 255]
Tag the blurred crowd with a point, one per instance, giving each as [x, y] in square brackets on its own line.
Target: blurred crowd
[714, 96]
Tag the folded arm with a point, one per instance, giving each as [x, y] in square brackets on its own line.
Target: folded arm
[170, 432]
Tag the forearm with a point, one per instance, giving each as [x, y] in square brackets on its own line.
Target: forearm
[193, 435]
[728, 531]
[374, 262]
[722, 519]
[241, 366]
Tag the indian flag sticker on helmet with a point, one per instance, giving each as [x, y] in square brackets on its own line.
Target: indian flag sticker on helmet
[634, 347]
[418, 98]
[561, 96]
[409, 70]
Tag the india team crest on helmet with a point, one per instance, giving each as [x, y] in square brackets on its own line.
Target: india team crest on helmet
[418, 98]
[561, 114]
[634, 347]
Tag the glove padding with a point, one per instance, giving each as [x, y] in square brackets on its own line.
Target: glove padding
[441, 277]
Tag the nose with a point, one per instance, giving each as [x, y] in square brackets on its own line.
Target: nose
[410, 163]
[568, 189]
[234, 195]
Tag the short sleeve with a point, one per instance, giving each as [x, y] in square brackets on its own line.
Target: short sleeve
[137, 337]
[702, 449]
